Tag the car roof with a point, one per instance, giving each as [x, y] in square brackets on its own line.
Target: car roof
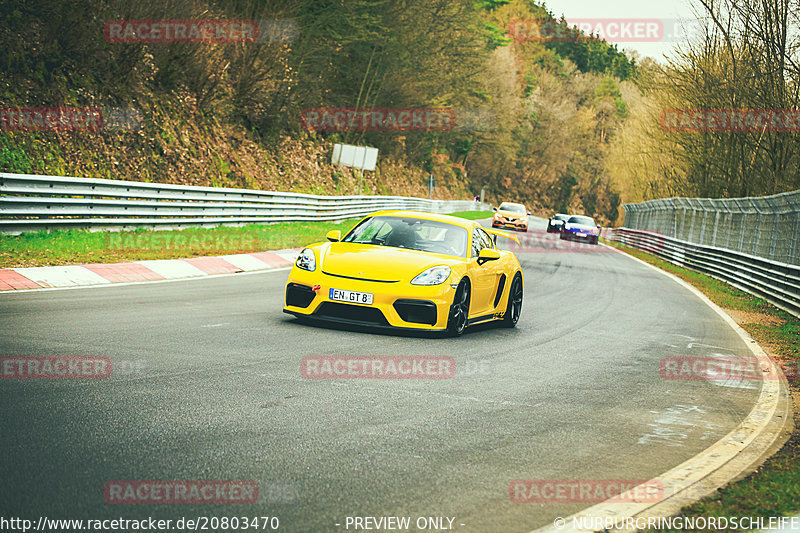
[447, 219]
[511, 203]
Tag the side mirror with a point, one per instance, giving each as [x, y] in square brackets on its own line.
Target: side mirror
[334, 235]
[487, 254]
[494, 209]
[599, 226]
[529, 212]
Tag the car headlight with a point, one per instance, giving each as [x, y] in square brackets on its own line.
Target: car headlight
[433, 276]
[306, 260]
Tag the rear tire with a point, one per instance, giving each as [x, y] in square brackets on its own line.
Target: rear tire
[514, 307]
[459, 311]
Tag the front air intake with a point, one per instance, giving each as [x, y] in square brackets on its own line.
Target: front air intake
[299, 295]
[416, 311]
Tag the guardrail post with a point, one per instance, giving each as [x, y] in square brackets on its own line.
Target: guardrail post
[702, 239]
[741, 237]
[774, 239]
[728, 233]
[758, 234]
[674, 220]
[716, 224]
[683, 221]
[792, 254]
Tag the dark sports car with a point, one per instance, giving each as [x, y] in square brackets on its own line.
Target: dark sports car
[556, 224]
[581, 228]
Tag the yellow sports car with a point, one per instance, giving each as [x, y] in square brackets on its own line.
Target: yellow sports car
[511, 215]
[410, 270]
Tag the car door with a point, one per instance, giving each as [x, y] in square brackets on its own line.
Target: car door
[484, 277]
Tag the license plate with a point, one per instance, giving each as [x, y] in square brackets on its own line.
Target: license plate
[351, 296]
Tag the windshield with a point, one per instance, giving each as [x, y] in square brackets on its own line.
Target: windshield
[411, 233]
[561, 217]
[513, 208]
[583, 221]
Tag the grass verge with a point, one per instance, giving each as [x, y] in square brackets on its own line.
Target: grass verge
[473, 215]
[774, 488]
[78, 246]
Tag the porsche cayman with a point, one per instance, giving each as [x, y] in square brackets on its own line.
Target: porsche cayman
[408, 270]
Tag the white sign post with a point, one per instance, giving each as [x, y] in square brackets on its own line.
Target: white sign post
[358, 157]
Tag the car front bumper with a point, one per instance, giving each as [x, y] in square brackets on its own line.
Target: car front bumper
[578, 236]
[389, 301]
[513, 224]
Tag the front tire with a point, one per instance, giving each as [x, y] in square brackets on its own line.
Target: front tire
[514, 307]
[459, 311]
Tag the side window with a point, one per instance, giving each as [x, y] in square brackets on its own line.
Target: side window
[480, 240]
[487, 241]
[476, 243]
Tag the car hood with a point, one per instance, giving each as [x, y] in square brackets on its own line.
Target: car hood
[378, 263]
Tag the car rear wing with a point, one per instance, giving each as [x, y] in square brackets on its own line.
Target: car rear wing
[497, 233]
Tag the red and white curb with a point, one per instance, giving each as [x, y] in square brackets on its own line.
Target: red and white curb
[138, 271]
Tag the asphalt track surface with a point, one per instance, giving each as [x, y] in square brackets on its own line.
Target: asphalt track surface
[207, 385]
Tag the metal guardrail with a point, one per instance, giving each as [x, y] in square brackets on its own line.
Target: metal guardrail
[767, 226]
[776, 282]
[31, 203]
